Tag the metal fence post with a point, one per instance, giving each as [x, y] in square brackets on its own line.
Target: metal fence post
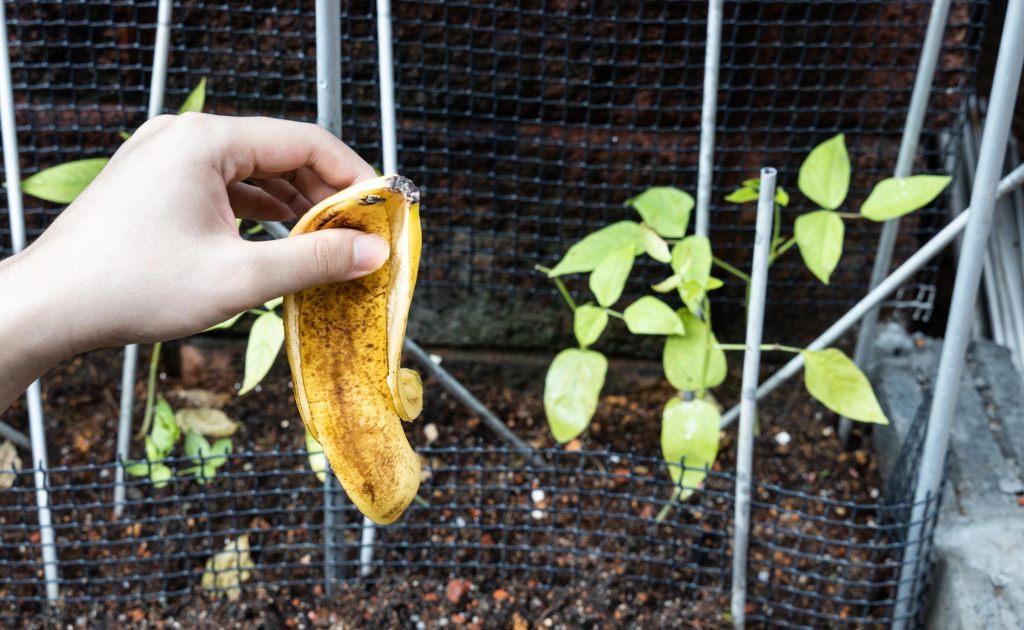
[965, 292]
[328, 116]
[709, 107]
[904, 167]
[33, 396]
[896, 279]
[748, 396]
[157, 89]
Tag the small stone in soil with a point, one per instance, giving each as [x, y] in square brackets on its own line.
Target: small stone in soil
[537, 495]
[783, 438]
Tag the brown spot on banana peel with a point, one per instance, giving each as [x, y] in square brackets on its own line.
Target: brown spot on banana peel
[344, 345]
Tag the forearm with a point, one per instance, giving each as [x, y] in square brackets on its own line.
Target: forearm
[32, 337]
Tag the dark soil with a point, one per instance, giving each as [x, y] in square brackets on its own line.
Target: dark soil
[83, 392]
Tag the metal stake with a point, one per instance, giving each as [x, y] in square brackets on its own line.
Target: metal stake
[748, 399]
[965, 292]
[33, 396]
[904, 167]
[328, 116]
[157, 89]
[706, 158]
[888, 286]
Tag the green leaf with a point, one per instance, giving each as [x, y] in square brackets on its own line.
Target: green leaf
[588, 323]
[692, 295]
[124, 135]
[256, 229]
[895, 196]
[64, 182]
[571, 390]
[196, 446]
[265, 340]
[689, 437]
[742, 195]
[272, 304]
[316, 457]
[668, 284]
[165, 431]
[137, 469]
[714, 283]
[219, 451]
[651, 316]
[665, 209]
[683, 359]
[819, 235]
[825, 174]
[654, 245]
[153, 453]
[753, 182]
[160, 474]
[691, 259]
[781, 196]
[832, 378]
[609, 278]
[595, 247]
[196, 99]
[228, 323]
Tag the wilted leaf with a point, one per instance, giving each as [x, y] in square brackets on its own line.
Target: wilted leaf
[587, 254]
[571, 391]
[609, 278]
[227, 569]
[9, 463]
[196, 99]
[589, 322]
[825, 174]
[898, 196]
[819, 235]
[689, 437]
[665, 209]
[208, 422]
[265, 340]
[683, 358]
[837, 382]
[64, 182]
[651, 316]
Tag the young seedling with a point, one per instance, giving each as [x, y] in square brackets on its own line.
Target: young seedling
[693, 359]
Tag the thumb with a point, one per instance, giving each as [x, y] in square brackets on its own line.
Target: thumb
[288, 265]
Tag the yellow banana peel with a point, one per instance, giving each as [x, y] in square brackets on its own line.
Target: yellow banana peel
[344, 345]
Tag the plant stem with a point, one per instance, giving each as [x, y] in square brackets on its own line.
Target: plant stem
[768, 347]
[615, 314]
[561, 286]
[147, 415]
[706, 307]
[849, 215]
[777, 227]
[668, 506]
[782, 250]
[729, 268]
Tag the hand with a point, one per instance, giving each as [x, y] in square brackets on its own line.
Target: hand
[150, 250]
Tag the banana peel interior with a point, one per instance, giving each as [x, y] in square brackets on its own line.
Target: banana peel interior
[344, 345]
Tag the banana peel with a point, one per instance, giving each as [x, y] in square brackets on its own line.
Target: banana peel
[344, 346]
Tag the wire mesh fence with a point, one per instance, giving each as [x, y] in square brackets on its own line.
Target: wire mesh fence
[580, 527]
[525, 124]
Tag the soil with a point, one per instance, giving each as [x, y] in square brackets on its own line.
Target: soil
[555, 584]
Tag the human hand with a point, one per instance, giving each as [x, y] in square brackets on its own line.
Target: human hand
[150, 250]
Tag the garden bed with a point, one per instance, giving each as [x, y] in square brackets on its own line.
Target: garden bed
[488, 550]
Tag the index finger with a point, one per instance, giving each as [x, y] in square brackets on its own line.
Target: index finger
[262, 147]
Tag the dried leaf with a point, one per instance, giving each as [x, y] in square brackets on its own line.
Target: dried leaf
[207, 422]
[227, 569]
[9, 462]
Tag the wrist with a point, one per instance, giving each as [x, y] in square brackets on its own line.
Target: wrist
[34, 333]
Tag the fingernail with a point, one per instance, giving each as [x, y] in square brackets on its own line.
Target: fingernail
[369, 253]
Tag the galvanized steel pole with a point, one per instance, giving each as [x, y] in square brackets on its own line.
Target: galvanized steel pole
[748, 399]
[965, 292]
[709, 107]
[157, 89]
[33, 396]
[904, 168]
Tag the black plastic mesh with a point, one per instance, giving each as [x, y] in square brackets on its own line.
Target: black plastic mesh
[526, 123]
[577, 521]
